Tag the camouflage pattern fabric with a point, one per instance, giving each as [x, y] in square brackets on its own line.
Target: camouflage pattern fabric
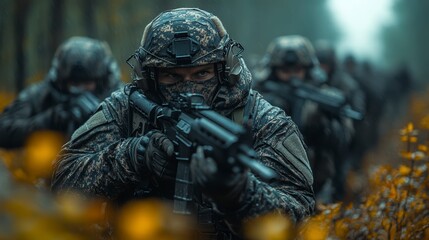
[96, 160]
[208, 38]
[206, 88]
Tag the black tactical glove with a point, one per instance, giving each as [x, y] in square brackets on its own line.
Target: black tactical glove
[59, 117]
[154, 152]
[83, 106]
[224, 186]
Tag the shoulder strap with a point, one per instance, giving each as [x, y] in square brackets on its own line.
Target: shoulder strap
[244, 115]
[238, 115]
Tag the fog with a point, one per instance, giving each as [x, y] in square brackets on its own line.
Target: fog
[360, 24]
[388, 33]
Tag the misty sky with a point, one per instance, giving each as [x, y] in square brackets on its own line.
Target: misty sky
[360, 22]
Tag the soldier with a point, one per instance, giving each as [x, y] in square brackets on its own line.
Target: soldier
[185, 50]
[367, 131]
[83, 72]
[338, 78]
[293, 80]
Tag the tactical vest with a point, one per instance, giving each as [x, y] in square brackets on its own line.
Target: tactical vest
[210, 224]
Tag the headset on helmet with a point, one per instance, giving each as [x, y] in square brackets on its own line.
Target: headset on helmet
[185, 37]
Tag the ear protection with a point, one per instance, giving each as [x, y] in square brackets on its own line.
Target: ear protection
[143, 77]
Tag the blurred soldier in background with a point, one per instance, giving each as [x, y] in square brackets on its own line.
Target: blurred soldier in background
[83, 73]
[120, 156]
[293, 80]
[367, 131]
[338, 78]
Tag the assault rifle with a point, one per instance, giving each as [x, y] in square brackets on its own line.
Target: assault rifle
[329, 99]
[189, 123]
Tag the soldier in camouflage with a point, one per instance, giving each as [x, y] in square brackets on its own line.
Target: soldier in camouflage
[338, 78]
[188, 50]
[83, 72]
[291, 59]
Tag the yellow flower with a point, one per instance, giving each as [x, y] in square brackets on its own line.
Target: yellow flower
[404, 170]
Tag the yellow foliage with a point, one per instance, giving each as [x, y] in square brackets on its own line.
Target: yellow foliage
[340, 228]
[425, 122]
[31, 214]
[396, 205]
[410, 127]
[271, 226]
[314, 230]
[5, 99]
[151, 219]
[77, 209]
[40, 153]
[404, 170]
[423, 148]
[35, 160]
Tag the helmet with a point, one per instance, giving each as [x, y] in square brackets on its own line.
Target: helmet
[185, 37]
[294, 50]
[291, 50]
[325, 53]
[82, 59]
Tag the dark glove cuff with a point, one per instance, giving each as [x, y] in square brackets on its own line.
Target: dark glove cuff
[235, 198]
[57, 117]
[44, 120]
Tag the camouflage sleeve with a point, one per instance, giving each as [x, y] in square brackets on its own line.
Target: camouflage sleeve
[21, 117]
[279, 144]
[96, 160]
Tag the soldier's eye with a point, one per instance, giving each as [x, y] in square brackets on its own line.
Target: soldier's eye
[203, 75]
[168, 78]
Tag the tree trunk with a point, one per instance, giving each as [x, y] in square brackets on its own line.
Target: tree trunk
[89, 17]
[21, 8]
[57, 17]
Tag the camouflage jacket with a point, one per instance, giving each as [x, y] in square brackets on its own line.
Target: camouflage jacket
[29, 112]
[32, 110]
[355, 96]
[96, 160]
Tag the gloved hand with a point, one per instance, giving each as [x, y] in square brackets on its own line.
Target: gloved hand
[83, 106]
[58, 117]
[224, 186]
[154, 153]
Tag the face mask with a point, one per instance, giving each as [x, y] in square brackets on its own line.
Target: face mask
[206, 88]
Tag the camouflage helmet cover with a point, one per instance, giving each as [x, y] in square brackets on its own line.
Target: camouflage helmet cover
[291, 50]
[183, 37]
[81, 59]
[325, 52]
